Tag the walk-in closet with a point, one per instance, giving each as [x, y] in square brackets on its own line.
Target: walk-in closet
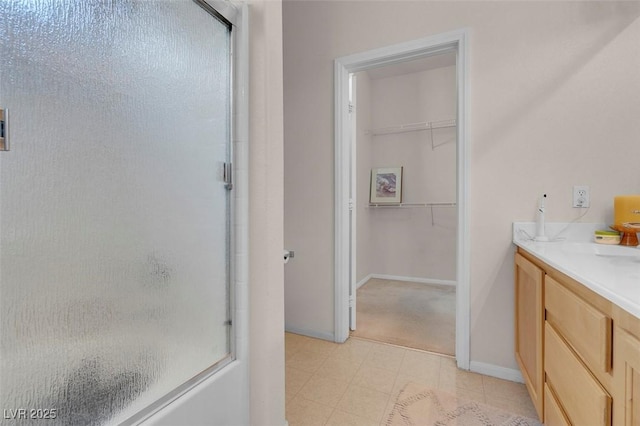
[404, 123]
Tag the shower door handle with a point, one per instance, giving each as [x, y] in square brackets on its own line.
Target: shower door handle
[4, 129]
[227, 172]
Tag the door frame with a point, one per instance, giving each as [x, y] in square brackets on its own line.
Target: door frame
[454, 41]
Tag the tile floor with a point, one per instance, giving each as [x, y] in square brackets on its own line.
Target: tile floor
[355, 383]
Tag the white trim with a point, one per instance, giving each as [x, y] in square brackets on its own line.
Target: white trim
[496, 371]
[342, 193]
[364, 281]
[433, 281]
[414, 279]
[451, 41]
[463, 263]
[353, 225]
[241, 172]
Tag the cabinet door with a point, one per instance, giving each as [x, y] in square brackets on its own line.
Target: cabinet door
[626, 410]
[529, 327]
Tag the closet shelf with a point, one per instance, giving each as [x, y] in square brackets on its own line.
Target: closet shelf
[415, 205]
[409, 205]
[413, 127]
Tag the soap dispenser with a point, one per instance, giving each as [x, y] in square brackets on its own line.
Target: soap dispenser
[540, 231]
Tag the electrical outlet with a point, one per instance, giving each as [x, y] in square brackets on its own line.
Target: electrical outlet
[581, 196]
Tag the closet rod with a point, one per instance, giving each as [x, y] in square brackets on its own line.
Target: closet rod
[413, 127]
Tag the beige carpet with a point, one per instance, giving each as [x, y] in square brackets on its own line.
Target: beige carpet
[417, 405]
[414, 315]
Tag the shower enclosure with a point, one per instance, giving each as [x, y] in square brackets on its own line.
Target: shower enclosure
[115, 206]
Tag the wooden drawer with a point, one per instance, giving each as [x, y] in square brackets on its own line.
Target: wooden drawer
[586, 329]
[553, 414]
[584, 400]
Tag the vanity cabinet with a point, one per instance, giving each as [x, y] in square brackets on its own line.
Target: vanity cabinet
[579, 353]
[529, 327]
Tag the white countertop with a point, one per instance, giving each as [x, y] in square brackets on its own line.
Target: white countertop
[613, 272]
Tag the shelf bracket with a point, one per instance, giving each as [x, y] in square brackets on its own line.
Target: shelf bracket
[432, 148]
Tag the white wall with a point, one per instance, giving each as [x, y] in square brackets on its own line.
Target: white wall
[266, 274]
[405, 241]
[554, 92]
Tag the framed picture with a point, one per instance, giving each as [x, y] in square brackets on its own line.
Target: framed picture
[386, 185]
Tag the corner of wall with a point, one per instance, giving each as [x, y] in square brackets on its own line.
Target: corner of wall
[266, 270]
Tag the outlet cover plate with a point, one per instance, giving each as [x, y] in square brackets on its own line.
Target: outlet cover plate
[581, 196]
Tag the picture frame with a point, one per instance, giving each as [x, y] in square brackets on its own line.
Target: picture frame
[386, 185]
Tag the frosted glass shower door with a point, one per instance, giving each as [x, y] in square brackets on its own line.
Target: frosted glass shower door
[114, 213]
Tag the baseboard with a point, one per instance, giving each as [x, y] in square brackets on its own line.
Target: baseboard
[310, 333]
[364, 281]
[496, 371]
[413, 279]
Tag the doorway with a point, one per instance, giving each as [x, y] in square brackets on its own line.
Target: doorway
[349, 197]
[404, 124]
